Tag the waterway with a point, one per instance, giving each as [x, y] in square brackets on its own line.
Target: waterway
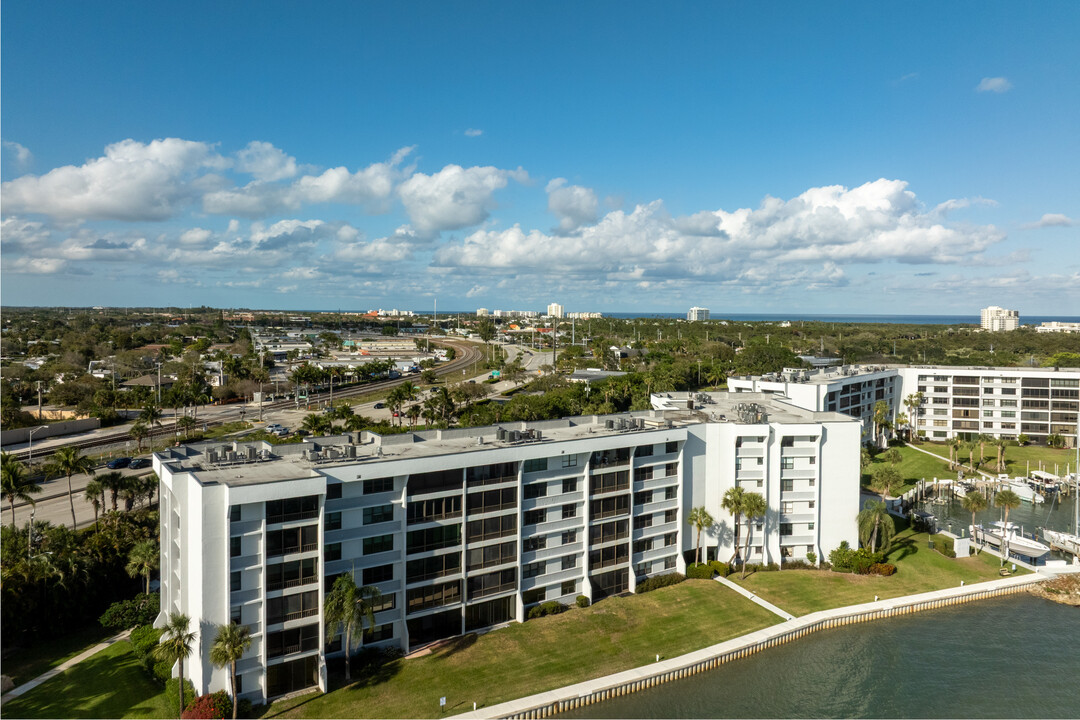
[1010, 657]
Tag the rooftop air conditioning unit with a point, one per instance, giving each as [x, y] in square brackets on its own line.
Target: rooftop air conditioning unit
[609, 424]
[350, 451]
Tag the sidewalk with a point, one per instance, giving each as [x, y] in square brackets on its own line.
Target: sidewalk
[28, 686]
[754, 598]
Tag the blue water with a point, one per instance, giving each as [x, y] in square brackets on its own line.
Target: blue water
[1012, 657]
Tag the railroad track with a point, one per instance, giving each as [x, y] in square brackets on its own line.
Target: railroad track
[467, 354]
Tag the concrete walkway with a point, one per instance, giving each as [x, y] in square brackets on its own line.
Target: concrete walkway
[754, 598]
[28, 686]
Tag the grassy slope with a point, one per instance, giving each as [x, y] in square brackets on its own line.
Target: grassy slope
[521, 659]
[1016, 458]
[919, 569]
[109, 684]
[25, 664]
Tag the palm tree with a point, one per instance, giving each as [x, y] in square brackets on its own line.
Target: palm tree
[95, 495]
[348, 605]
[1001, 444]
[16, 482]
[885, 478]
[699, 518]
[1008, 500]
[413, 413]
[176, 646]
[143, 560]
[881, 421]
[113, 482]
[754, 507]
[151, 415]
[733, 503]
[875, 521]
[230, 644]
[955, 444]
[913, 403]
[982, 440]
[187, 423]
[69, 461]
[138, 432]
[715, 377]
[974, 502]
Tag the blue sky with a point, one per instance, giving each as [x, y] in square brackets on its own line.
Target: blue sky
[746, 157]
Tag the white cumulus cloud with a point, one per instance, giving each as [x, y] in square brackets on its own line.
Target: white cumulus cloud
[1052, 220]
[573, 205]
[23, 157]
[471, 132]
[993, 84]
[453, 198]
[265, 162]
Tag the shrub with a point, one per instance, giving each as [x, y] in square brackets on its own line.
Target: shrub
[551, 607]
[142, 610]
[944, 545]
[844, 559]
[162, 670]
[798, 565]
[720, 568]
[811, 558]
[143, 640]
[244, 708]
[171, 698]
[216, 706]
[582, 601]
[882, 569]
[699, 571]
[659, 581]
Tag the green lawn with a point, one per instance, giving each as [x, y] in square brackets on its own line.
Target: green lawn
[525, 658]
[1017, 458]
[109, 684]
[918, 569]
[25, 664]
[914, 467]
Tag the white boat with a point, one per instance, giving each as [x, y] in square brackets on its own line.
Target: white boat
[1025, 491]
[1067, 541]
[993, 534]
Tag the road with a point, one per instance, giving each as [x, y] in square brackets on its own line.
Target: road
[52, 503]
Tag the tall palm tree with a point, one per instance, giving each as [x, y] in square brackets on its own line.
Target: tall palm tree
[143, 560]
[1008, 500]
[881, 421]
[885, 478]
[348, 605]
[69, 461]
[176, 646]
[138, 433]
[230, 644]
[974, 502]
[733, 503]
[413, 413]
[95, 495]
[113, 482]
[913, 403]
[955, 444]
[151, 415]
[700, 519]
[16, 482]
[1001, 444]
[875, 523]
[753, 507]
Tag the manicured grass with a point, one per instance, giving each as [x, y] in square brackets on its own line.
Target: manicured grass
[25, 664]
[914, 467]
[109, 684]
[522, 659]
[918, 569]
[1017, 458]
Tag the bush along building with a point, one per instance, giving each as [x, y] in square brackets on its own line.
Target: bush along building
[466, 529]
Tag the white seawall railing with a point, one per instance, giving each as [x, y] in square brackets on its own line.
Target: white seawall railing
[570, 697]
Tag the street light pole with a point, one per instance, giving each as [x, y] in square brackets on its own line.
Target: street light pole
[30, 452]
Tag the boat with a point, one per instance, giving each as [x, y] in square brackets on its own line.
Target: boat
[1070, 542]
[1015, 541]
[1025, 491]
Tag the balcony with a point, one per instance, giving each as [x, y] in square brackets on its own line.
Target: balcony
[798, 539]
[573, 523]
[658, 506]
[656, 482]
[754, 452]
[548, 553]
[552, 578]
[555, 500]
[654, 530]
[657, 553]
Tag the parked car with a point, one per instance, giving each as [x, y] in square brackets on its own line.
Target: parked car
[280, 432]
[272, 428]
[378, 406]
[116, 464]
[138, 464]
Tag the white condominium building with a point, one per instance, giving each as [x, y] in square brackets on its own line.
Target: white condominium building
[1059, 327]
[466, 529]
[957, 401]
[555, 310]
[997, 319]
[697, 313]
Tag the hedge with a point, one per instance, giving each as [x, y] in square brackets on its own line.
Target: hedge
[659, 581]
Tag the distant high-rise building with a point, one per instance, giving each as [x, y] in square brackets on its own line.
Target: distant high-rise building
[480, 312]
[697, 313]
[997, 319]
[555, 310]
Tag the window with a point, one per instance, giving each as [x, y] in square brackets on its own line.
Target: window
[234, 516]
[378, 514]
[569, 562]
[292, 607]
[234, 585]
[234, 551]
[434, 596]
[292, 574]
[787, 463]
[535, 517]
[643, 451]
[569, 485]
[492, 583]
[386, 602]
[671, 447]
[236, 615]
[810, 505]
[608, 556]
[378, 485]
[787, 485]
[378, 544]
[813, 461]
[809, 526]
[670, 539]
[569, 587]
[645, 545]
[609, 532]
[671, 493]
[535, 490]
[378, 574]
[533, 544]
[491, 474]
[610, 507]
[433, 482]
[491, 555]
[530, 597]
[332, 552]
[286, 642]
[491, 528]
[569, 537]
[785, 529]
[644, 473]
[569, 511]
[535, 569]
[302, 508]
[417, 541]
[569, 461]
[609, 482]
[672, 469]
[333, 492]
[380, 633]
[536, 465]
[492, 500]
[643, 497]
[333, 522]
[670, 516]
[787, 508]
[420, 511]
[669, 563]
[645, 521]
[432, 567]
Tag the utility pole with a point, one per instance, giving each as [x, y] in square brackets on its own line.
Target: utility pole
[159, 384]
[39, 400]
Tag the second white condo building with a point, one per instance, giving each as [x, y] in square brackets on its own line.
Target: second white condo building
[466, 529]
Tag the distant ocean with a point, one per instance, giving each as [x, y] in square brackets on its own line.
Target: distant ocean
[799, 317]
